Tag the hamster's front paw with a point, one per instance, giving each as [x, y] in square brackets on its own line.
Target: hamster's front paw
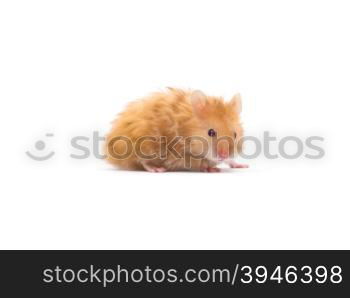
[235, 165]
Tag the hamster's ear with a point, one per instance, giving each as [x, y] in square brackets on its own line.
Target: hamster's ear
[198, 101]
[236, 103]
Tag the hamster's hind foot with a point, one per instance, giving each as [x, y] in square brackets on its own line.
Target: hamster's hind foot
[153, 169]
[210, 170]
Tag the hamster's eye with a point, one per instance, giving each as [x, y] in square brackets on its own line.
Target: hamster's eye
[211, 133]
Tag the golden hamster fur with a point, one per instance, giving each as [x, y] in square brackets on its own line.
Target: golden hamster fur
[176, 130]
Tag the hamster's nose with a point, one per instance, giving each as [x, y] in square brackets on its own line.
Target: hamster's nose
[223, 154]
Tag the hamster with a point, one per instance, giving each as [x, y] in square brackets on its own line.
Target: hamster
[176, 130]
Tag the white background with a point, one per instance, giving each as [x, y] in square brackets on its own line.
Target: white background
[68, 67]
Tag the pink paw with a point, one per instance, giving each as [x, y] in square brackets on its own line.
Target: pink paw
[210, 170]
[154, 169]
[236, 165]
